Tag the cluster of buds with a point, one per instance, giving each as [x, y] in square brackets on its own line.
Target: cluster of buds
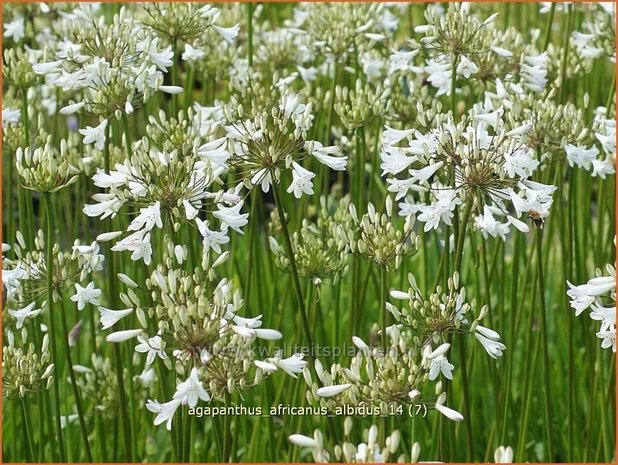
[17, 69]
[27, 279]
[98, 384]
[454, 33]
[42, 169]
[321, 247]
[382, 380]
[185, 22]
[369, 451]
[379, 241]
[25, 370]
[359, 106]
[274, 140]
[341, 30]
[431, 319]
[190, 319]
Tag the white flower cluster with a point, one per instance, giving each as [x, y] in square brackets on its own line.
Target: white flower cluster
[599, 296]
[479, 161]
[365, 452]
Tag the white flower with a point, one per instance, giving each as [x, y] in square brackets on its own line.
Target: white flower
[302, 440]
[191, 390]
[148, 218]
[401, 61]
[96, 135]
[165, 412]
[330, 391]
[521, 163]
[424, 174]
[267, 334]
[154, 346]
[608, 339]
[10, 116]
[580, 297]
[393, 136]
[84, 295]
[162, 59]
[172, 90]
[15, 29]
[211, 239]
[232, 216]
[110, 317]
[228, 33]
[503, 454]
[301, 182]
[291, 365]
[70, 109]
[192, 54]
[137, 243]
[466, 67]
[395, 160]
[265, 366]
[215, 152]
[449, 413]
[580, 156]
[440, 364]
[125, 335]
[602, 168]
[147, 377]
[490, 341]
[326, 155]
[21, 314]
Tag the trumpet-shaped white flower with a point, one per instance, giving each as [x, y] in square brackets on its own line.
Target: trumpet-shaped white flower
[23, 313]
[301, 183]
[191, 390]
[86, 295]
[165, 412]
[95, 134]
[110, 317]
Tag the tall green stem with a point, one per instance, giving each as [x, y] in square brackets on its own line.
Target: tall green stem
[118, 365]
[29, 447]
[565, 53]
[550, 20]
[546, 366]
[296, 279]
[250, 33]
[458, 257]
[49, 258]
[26, 217]
[383, 311]
[51, 216]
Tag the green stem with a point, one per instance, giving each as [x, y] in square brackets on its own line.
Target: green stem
[296, 279]
[118, 364]
[250, 33]
[175, 77]
[550, 20]
[29, 447]
[453, 97]
[458, 257]
[383, 311]
[76, 394]
[51, 216]
[227, 431]
[565, 53]
[49, 245]
[546, 366]
[26, 217]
